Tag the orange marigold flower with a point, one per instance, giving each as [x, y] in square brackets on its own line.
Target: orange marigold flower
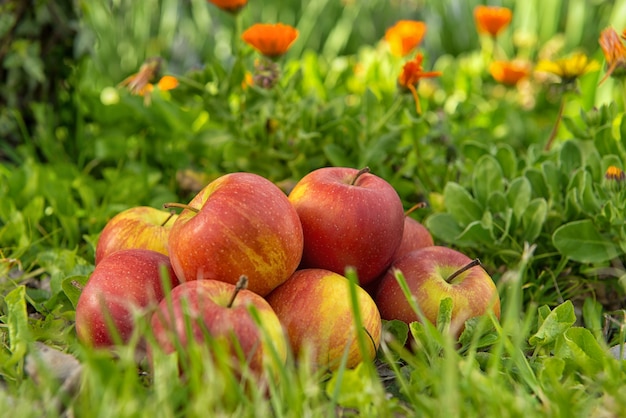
[492, 19]
[405, 36]
[232, 6]
[271, 40]
[614, 52]
[509, 72]
[614, 173]
[411, 74]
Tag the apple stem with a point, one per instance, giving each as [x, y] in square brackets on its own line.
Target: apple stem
[172, 213]
[419, 205]
[475, 262]
[180, 205]
[242, 283]
[361, 172]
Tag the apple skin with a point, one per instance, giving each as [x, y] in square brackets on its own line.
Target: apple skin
[245, 226]
[315, 310]
[425, 270]
[201, 306]
[344, 225]
[120, 284]
[136, 227]
[414, 237]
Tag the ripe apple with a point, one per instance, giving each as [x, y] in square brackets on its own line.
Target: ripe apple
[137, 227]
[315, 310]
[123, 283]
[414, 237]
[239, 224]
[349, 218]
[432, 274]
[200, 310]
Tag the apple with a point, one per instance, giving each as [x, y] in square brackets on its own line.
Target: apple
[122, 284]
[315, 310]
[349, 217]
[137, 227]
[432, 274]
[220, 312]
[239, 224]
[414, 237]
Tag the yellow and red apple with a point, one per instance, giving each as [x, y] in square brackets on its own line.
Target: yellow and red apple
[314, 308]
[239, 224]
[432, 274]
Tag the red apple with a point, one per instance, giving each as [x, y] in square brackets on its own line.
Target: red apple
[122, 284]
[349, 218]
[137, 227]
[432, 274]
[414, 237]
[239, 224]
[315, 310]
[203, 309]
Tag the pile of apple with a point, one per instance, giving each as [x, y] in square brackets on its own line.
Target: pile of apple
[264, 272]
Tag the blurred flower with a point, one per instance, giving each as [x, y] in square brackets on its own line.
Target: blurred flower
[404, 36]
[614, 173]
[271, 40]
[614, 52]
[492, 19]
[247, 81]
[411, 74]
[570, 68]
[142, 82]
[266, 73]
[231, 6]
[509, 72]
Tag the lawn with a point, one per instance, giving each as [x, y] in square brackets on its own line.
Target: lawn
[504, 125]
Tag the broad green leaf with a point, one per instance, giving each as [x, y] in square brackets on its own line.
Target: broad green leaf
[474, 234]
[17, 322]
[487, 178]
[350, 387]
[443, 226]
[518, 195]
[587, 196]
[570, 157]
[533, 219]
[337, 155]
[507, 159]
[551, 370]
[592, 317]
[538, 183]
[72, 287]
[555, 182]
[555, 324]
[497, 202]
[579, 347]
[399, 329]
[460, 204]
[582, 242]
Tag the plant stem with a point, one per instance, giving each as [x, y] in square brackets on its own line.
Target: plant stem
[555, 128]
[172, 213]
[359, 174]
[416, 206]
[475, 262]
[180, 205]
[241, 284]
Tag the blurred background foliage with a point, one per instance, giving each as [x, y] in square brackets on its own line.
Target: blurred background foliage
[76, 148]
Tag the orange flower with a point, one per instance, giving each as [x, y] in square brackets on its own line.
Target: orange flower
[404, 36]
[614, 173]
[411, 74]
[232, 6]
[140, 83]
[270, 40]
[509, 72]
[614, 52]
[492, 19]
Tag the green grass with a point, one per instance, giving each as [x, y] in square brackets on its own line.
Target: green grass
[547, 225]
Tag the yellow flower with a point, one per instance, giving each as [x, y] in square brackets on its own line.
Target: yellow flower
[492, 19]
[614, 173]
[271, 40]
[614, 52]
[509, 72]
[411, 74]
[232, 6]
[405, 36]
[141, 83]
[570, 68]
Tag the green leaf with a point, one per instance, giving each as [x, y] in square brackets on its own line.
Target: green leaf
[507, 159]
[534, 218]
[72, 287]
[571, 158]
[444, 316]
[555, 324]
[555, 182]
[460, 204]
[474, 234]
[17, 322]
[518, 195]
[592, 317]
[443, 226]
[580, 348]
[582, 242]
[398, 329]
[337, 155]
[350, 387]
[538, 183]
[487, 178]
[497, 202]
